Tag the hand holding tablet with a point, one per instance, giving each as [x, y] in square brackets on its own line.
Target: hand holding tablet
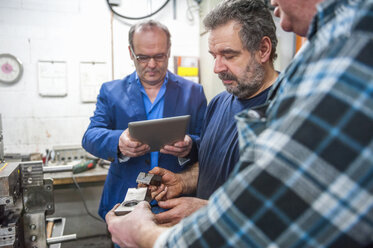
[159, 132]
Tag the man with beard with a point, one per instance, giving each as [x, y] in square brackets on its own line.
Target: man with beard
[243, 43]
[305, 175]
[151, 92]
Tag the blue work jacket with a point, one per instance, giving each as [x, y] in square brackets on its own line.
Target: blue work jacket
[120, 102]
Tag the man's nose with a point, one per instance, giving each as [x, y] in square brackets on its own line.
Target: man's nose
[219, 66]
[152, 63]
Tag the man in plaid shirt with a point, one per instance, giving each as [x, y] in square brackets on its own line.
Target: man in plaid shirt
[305, 177]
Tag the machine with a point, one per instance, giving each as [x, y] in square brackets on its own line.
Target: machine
[26, 198]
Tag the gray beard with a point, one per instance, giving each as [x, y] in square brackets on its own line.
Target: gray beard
[248, 87]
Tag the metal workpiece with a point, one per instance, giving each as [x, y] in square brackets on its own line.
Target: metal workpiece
[10, 183]
[136, 195]
[25, 199]
[133, 197]
[32, 173]
[59, 168]
[149, 179]
[64, 238]
[39, 198]
[10, 227]
[34, 229]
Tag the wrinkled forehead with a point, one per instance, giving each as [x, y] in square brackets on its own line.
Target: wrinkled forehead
[225, 36]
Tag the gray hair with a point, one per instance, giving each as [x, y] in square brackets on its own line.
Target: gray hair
[254, 17]
[148, 25]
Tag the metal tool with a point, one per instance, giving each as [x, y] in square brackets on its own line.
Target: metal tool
[136, 195]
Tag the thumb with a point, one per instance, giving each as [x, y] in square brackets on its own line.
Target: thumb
[157, 171]
[143, 205]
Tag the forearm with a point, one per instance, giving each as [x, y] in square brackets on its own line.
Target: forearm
[189, 179]
[101, 142]
[149, 234]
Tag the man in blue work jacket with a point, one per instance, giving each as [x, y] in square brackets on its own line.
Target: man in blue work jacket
[151, 92]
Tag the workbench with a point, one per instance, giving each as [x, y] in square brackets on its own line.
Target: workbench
[98, 174]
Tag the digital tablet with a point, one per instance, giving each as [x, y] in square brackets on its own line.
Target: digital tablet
[159, 132]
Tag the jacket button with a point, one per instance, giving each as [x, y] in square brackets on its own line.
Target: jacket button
[147, 161]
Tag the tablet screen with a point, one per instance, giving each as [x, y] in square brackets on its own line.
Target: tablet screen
[159, 132]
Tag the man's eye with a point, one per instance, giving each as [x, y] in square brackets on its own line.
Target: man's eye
[159, 56]
[228, 57]
[143, 57]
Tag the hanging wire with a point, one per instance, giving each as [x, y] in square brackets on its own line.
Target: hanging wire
[137, 18]
[191, 8]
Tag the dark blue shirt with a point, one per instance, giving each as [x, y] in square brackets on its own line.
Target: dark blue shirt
[218, 150]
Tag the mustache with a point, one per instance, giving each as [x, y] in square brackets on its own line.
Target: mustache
[227, 76]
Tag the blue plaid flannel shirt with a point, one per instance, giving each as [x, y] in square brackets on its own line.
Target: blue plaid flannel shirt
[305, 177]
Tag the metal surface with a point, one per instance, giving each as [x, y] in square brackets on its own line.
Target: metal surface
[57, 168]
[68, 153]
[149, 179]
[10, 183]
[34, 229]
[133, 197]
[10, 205]
[39, 198]
[32, 173]
[25, 199]
[10, 229]
[58, 229]
[60, 239]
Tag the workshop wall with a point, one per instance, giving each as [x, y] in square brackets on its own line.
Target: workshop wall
[72, 32]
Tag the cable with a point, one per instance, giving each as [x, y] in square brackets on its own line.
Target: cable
[137, 18]
[84, 203]
[189, 11]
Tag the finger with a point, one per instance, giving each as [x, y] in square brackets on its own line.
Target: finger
[158, 171]
[168, 204]
[133, 143]
[165, 224]
[141, 185]
[161, 196]
[164, 217]
[155, 190]
[135, 152]
[143, 205]
[115, 206]
[169, 148]
[111, 213]
[181, 144]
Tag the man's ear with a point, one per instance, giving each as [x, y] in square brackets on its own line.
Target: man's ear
[265, 50]
[131, 55]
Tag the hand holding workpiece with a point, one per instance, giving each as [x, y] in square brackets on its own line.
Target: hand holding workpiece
[179, 208]
[135, 229]
[171, 186]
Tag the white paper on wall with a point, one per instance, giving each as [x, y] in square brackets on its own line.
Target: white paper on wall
[92, 75]
[52, 78]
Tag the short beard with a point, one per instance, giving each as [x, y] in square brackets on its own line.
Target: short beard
[248, 85]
